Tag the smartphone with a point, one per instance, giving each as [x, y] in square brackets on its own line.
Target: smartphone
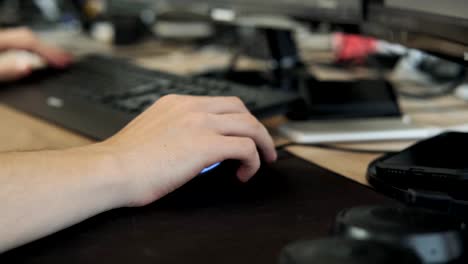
[437, 164]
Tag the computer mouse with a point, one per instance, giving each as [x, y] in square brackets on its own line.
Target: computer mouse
[434, 237]
[31, 59]
[346, 251]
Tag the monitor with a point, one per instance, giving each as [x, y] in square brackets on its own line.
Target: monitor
[437, 26]
[338, 11]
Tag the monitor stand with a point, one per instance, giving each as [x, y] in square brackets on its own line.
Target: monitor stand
[286, 70]
[354, 99]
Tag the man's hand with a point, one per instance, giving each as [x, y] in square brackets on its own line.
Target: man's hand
[176, 138]
[12, 68]
[159, 151]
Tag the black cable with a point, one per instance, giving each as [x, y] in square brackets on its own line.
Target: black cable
[333, 147]
[430, 95]
[449, 89]
[236, 55]
[373, 63]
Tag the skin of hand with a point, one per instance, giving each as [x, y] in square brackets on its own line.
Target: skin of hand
[179, 136]
[159, 151]
[12, 68]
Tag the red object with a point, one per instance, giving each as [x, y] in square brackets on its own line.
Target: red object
[354, 48]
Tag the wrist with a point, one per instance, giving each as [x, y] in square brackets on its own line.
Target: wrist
[105, 173]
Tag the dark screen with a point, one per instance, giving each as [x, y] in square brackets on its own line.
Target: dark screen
[338, 11]
[352, 99]
[444, 151]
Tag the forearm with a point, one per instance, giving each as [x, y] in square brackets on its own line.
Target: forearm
[43, 192]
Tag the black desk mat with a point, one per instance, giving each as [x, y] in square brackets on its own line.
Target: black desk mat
[213, 219]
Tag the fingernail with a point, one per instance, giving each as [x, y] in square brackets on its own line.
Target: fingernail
[241, 175]
[274, 157]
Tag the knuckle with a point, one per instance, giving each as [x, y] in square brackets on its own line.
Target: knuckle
[250, 147]
[168, 98]
[197, 119]
[27, 34]
[189, 103]
[185, 102]
[24, 30]
[253, 122]
[236, 101]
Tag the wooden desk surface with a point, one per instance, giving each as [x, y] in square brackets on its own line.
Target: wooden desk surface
[446, 111]
[21, 132]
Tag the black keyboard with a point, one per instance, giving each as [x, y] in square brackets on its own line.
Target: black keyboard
[99, 95]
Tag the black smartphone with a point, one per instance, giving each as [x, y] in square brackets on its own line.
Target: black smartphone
[351, 99]
[437, 164]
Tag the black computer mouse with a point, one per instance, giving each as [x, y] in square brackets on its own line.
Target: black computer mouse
[434, 237]
[346, 251]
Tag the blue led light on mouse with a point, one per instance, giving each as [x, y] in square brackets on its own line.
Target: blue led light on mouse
[207, 169]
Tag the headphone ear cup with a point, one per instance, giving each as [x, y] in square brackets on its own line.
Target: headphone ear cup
[434, 237]
[346, 251]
